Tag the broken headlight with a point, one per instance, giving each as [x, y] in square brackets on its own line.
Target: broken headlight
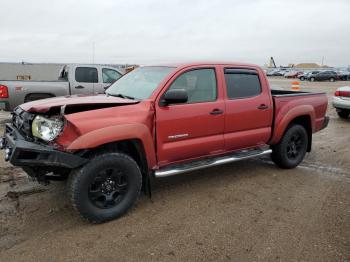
[46, 129]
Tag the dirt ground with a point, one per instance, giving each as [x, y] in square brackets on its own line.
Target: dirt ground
[244, 211]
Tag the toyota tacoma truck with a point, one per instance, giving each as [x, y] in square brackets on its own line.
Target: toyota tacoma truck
[73, 79]
[158, 121]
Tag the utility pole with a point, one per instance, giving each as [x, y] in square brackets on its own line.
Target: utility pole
[93, 52]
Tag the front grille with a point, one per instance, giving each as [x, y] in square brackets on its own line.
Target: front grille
[22, 120]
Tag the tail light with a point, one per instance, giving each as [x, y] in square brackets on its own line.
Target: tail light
[4, 92]
[342, 93]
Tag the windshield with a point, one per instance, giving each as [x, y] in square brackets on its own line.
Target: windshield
[140, 83]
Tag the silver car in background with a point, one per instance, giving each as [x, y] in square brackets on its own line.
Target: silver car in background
[341, 101]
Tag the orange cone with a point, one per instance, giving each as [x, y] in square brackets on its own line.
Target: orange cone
[295, 86]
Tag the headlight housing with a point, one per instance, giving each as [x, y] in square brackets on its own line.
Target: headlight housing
[46, 129]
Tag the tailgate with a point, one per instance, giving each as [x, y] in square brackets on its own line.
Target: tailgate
[17, 91]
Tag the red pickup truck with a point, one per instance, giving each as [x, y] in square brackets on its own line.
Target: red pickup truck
[158, 121]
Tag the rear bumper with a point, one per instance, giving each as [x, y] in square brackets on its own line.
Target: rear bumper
[341, 103]
[20, 152]
[4, 105]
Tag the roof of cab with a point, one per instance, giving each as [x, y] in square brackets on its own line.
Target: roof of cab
[204, 63]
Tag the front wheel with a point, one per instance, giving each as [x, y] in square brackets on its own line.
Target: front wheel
[302, 78]
[312, 79]
[332, 79]
[106, 187]
[291, 150]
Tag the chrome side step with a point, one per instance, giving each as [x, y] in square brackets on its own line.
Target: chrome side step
[209, 162]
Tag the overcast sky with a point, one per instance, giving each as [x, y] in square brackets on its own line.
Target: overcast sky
[155, 31]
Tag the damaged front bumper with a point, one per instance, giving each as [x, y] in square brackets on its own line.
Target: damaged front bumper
[23, 153]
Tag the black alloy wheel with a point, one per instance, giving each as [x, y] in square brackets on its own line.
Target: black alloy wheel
[291, 149]
[294, 146]
[108, 188]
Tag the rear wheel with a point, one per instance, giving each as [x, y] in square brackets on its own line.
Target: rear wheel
[344, 113]
[106, 187]
[291, 150]
[332, 79]
[302, 78]
[312, 79]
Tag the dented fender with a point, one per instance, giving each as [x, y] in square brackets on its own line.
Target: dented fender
[117, 133]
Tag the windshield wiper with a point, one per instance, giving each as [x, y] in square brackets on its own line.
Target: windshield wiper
[122, 96]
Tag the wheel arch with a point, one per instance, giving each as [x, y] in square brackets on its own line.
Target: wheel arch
[303, 115]
[136, 136]
[305, 121]
[132, 147]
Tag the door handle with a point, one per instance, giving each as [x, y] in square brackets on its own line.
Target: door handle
[216, 111]
[79, 87]
[262, 107]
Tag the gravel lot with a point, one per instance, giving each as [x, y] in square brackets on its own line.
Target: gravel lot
[245, 211]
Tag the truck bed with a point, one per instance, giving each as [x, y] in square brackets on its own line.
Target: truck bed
[284, 93]
[285, 101]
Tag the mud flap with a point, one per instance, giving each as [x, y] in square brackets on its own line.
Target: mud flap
[147, 185]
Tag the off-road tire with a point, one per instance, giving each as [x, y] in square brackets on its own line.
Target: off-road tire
[280, 152]
[343, 113]
[80, 180]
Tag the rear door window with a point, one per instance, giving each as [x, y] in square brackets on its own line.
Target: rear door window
[242, 83]
[86, 75]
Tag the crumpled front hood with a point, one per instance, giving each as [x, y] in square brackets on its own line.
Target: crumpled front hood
[81, 123]
[45, 105]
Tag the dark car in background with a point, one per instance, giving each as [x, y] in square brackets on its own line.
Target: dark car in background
[305, 76]
[344, 75]
[323, 76]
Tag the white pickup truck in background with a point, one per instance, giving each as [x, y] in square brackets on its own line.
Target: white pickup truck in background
[73, 79]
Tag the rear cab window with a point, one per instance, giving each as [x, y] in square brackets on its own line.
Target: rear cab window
[242, 83]
[110, 75]
[86, 75]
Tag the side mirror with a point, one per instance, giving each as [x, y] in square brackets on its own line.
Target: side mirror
[106, 87]
[174, 96]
